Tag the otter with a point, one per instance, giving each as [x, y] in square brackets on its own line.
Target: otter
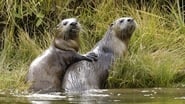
[46, 71]
[84, 75]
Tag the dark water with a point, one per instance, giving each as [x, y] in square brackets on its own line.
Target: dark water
[113, 96]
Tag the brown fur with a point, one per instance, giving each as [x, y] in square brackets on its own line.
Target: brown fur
[65, 42]
[84, 75]
[47, 70]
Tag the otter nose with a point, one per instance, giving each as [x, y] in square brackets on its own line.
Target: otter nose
[130, 20]
[73, 23]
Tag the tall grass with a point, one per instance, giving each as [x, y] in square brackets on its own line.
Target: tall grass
[156, 56]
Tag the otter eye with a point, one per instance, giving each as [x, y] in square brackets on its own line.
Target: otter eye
[121, 21]
[65, 23]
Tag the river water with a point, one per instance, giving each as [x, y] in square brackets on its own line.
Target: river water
[111, 96]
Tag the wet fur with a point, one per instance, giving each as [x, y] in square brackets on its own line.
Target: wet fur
[84, 75]
[47, 70]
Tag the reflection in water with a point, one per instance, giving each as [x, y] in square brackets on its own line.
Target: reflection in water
[89, 97]
[44, 98]
[112, 96]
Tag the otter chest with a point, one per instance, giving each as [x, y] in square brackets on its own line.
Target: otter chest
[119, 46]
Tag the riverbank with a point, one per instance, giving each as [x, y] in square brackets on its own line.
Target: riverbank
[156, 56]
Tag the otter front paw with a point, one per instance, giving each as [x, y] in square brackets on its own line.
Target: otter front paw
[92, 56]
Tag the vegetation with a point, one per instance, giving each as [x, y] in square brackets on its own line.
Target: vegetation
[156, 56]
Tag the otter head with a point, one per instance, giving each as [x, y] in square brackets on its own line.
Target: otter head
[123, 27]
[68, 29]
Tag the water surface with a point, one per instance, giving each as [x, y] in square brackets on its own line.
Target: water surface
[111, 96]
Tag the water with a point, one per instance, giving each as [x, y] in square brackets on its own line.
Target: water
[112, 96]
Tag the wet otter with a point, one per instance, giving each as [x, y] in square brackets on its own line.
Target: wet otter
[84, 75]
[46, 71]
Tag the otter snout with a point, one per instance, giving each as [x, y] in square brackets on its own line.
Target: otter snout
[124, 24]
[74, 26]
[73, 23]
[69, 25]
[130, 20]
[129, 24]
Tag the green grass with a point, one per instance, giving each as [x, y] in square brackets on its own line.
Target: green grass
[156, 56]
